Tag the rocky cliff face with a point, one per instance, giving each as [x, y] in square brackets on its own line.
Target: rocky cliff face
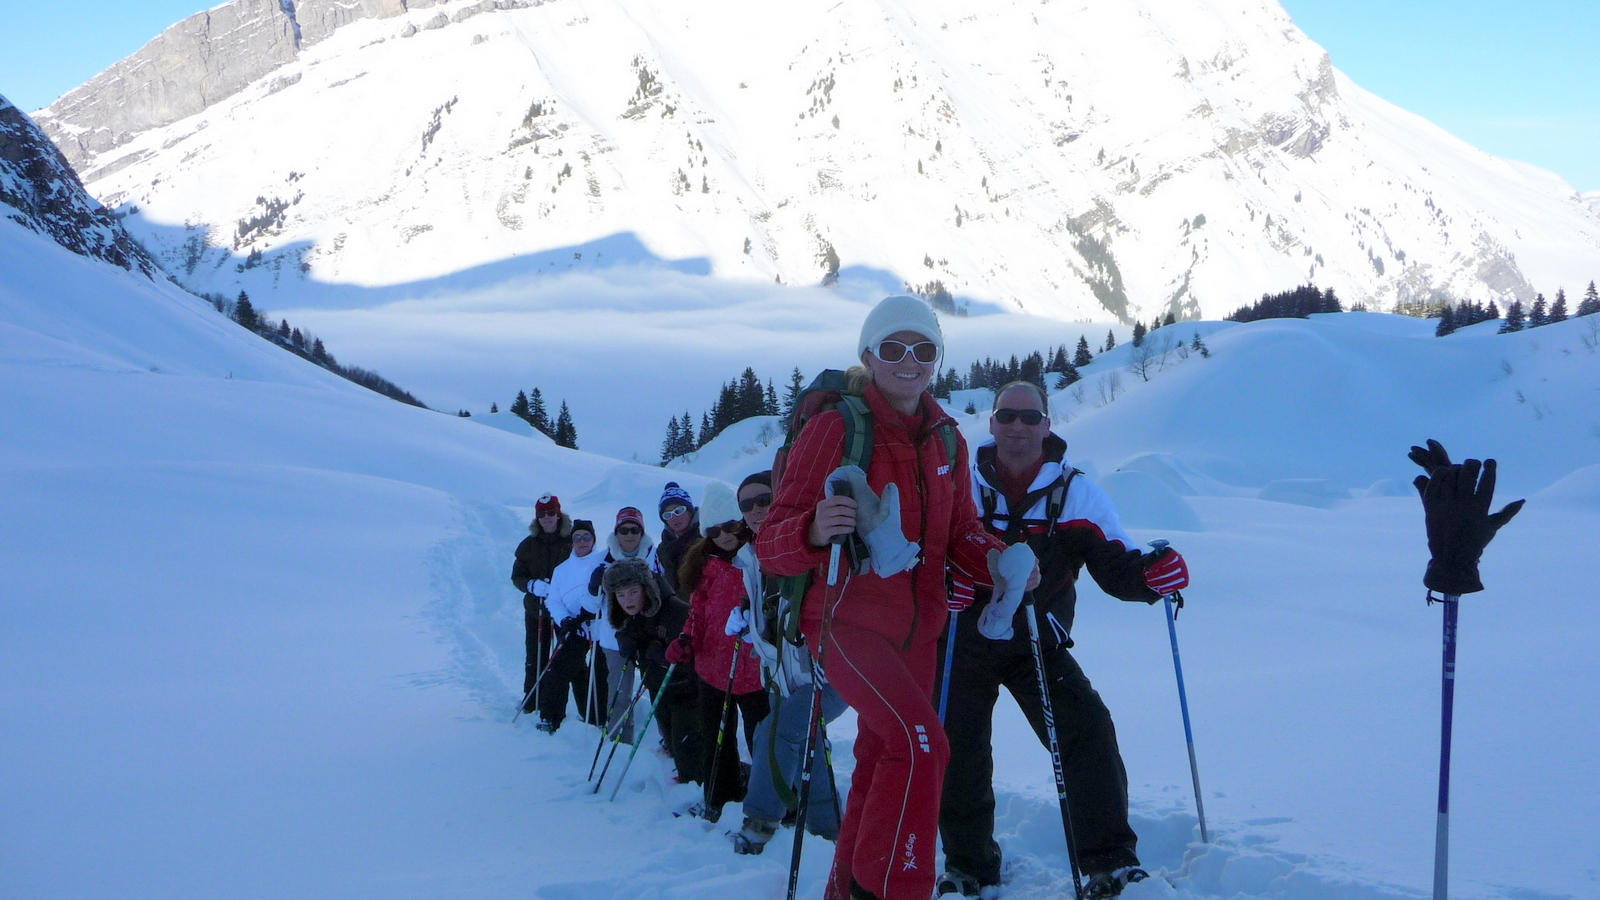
[39, 190]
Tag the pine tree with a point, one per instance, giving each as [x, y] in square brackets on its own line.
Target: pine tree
[1590, 303]
[1514, 318]
[1200, 347]
[493, 409]
[1058, 361]
[244, 312]
[706, 431]
[1491, 312]
[791, 393]
[669, 447]
[1068, 376]
[1537, 317]
[318, 352]
[1558, 309]
[538, 416]
[770, 408]
[1111, 341]
[1032, 369]
[1138, 333]
[519, 407]
[1447, 322]
[566, 433]
[1082, 357]
[1170, 319]
[283, 329]
[298, 339]
[686, 441]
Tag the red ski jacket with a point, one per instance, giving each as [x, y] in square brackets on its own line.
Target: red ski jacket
[720, 592]
[936, 511]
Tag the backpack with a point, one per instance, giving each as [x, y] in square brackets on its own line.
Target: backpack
[1055, 502]
[830, 390]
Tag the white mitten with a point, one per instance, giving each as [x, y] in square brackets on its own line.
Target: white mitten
[1009, 570]
[737, 622]
[539, 589]
[878, 523]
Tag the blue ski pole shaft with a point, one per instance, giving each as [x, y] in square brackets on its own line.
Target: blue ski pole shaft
[666, 681]
[1447, 709]
[1188, 730]
[949, 664]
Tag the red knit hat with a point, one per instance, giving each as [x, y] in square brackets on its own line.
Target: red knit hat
[629, 514]
[546, 505]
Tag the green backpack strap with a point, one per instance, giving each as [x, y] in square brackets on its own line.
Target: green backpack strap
[952, 446]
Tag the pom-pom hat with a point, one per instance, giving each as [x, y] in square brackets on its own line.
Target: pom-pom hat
[547, 505]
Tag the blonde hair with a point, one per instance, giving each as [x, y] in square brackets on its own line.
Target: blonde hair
[856, 378]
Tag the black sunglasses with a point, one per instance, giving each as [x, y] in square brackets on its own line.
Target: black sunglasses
[716, 531]
[761, 500]
[630, 530]
[1006, 416]
[894, 351]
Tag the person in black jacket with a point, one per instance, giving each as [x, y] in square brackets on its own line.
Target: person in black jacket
[648, 618]
[681, 529]
[1069, 522]
[548, 544]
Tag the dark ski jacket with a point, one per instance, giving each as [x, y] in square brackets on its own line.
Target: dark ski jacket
[644, 638]
[673, 548]
[1087, 531]
[540, 552]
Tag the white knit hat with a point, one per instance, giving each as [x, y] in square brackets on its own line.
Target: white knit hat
[718, 505]
[899, 313]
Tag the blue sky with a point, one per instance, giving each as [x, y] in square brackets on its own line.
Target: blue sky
[1516, 79]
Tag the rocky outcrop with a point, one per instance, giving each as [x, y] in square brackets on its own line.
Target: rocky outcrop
[39, 190]
[203, 59]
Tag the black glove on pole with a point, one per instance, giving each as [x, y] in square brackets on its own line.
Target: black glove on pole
[1455, 502]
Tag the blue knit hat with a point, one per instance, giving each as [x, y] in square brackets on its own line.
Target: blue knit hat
[672, 495]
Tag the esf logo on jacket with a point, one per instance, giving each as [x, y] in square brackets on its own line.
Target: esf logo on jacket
[922, 739]
[944, 470]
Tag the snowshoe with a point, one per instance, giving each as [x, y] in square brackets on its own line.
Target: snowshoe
[957, 883]
[709, 812]
[547, 727]
[1106, 885]
[753, 837]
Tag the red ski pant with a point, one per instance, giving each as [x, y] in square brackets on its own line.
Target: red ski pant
[887, 841]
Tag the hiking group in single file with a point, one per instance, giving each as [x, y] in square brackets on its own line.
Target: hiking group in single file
[882, 567]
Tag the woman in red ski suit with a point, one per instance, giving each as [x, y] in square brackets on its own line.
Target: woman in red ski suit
[877, 637]
[717, 588]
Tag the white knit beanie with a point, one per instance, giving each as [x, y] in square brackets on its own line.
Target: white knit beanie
[899, 313]
[718, 505]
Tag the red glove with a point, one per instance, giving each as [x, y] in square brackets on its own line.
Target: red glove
[960, 596]
[1168, 573]
[680, 652]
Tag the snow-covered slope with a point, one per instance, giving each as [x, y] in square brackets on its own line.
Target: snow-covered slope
[1107, 160]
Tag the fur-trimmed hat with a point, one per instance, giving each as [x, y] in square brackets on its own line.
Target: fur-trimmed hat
[621, 574]
[719, 505]
[899, 313]
[672, 495]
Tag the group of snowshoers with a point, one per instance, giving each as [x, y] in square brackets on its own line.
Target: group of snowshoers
[880, 567]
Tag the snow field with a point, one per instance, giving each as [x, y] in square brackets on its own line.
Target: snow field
[257, 637]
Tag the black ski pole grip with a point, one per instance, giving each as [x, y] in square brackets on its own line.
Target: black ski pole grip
[841, 488]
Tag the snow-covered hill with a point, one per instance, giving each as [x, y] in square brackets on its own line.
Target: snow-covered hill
[1104, 160]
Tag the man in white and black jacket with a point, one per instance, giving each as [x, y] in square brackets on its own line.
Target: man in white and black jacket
[1070, 523]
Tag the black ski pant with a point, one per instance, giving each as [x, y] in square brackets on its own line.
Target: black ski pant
[754, 706]
[678, 717]
[569, 676]
[540, 641]
[1097, 783]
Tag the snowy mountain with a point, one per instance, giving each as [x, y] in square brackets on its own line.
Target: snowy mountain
[1105, 161]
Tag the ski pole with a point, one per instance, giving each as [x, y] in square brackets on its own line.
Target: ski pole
[666, 680]
[1183, 701]
[549, 667]
[616, 739]
[841, 488]
[804, 803]
[949, 664]
[1447, 709]
[722, 727]
[611, 729]
[1055, 744]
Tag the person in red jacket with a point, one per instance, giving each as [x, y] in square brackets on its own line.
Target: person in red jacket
[716, 588]
[876, 633]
